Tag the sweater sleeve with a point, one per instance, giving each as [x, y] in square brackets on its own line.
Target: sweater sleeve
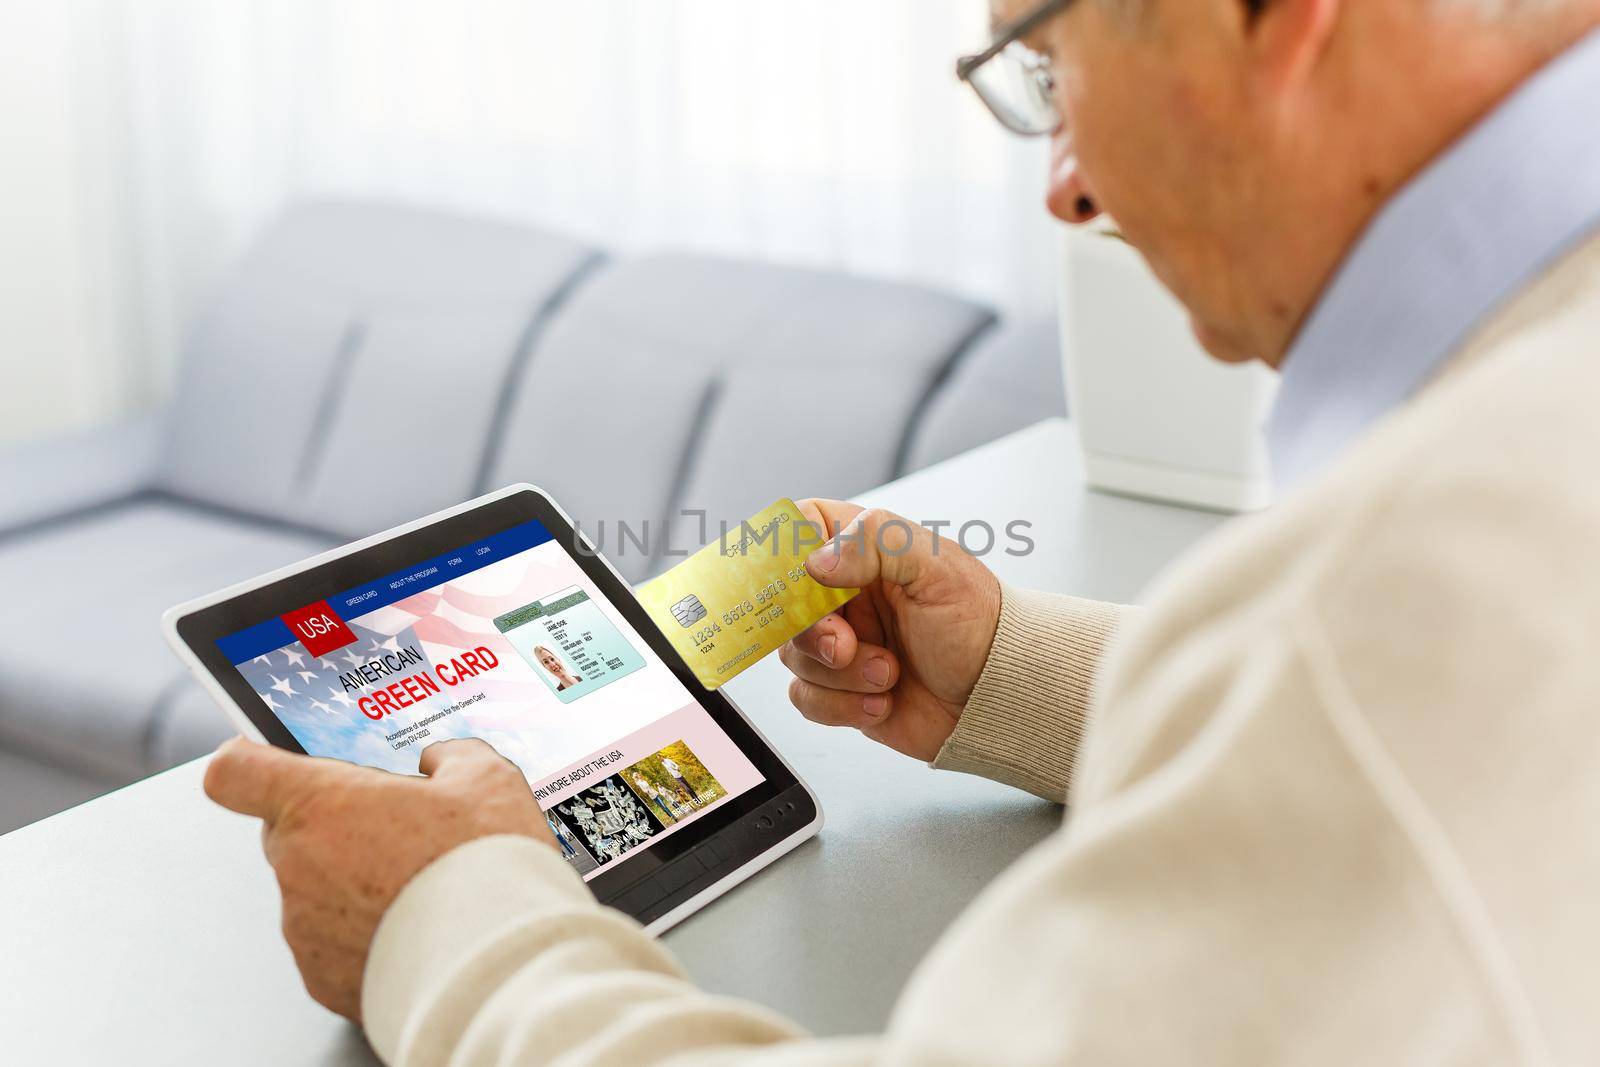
[1170, 921]
[497, 953]
[1027, 713]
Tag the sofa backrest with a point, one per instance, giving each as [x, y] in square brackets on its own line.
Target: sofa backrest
[367, 364]
[676, 382]
[349, 374]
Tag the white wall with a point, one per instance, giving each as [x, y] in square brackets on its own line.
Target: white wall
[60, 367]
[145, 141]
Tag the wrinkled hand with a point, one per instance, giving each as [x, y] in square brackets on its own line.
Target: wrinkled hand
[899, 661]
[344, 840]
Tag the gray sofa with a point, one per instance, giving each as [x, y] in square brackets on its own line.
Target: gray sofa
[369, 363]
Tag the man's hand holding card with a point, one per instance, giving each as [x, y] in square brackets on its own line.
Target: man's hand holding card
[887, 630]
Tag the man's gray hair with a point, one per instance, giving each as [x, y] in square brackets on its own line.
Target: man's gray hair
[1490, 9]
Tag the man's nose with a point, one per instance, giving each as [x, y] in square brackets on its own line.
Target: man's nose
[1069, 198]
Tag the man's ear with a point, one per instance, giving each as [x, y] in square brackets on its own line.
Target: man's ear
[1289, 37]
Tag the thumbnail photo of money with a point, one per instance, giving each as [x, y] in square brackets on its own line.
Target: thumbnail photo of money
[610, 819]
[571, 848]
[606, 821]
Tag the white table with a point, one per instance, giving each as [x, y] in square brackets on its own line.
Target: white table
[143, 927]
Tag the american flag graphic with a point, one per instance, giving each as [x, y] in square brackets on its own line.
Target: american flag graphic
[509, 706]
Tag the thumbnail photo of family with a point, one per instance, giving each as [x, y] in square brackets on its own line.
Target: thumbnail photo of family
[674, 783]
[604, 822]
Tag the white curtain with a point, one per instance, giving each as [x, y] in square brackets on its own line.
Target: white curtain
[829, 133]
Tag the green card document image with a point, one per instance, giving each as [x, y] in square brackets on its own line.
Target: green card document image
[569, 643]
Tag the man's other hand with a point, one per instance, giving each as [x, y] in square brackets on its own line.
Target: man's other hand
[899, 661]
[344, 840]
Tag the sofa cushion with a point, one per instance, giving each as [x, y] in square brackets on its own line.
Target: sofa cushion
[291, 353]
[47, 480]
[1011, 379]
[249, 395]
[85, 675]
[404, 434]
[679, 382]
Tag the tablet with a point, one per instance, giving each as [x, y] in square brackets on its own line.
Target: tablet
[498, 620]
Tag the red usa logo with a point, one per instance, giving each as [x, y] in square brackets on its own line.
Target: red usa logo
[319, 629]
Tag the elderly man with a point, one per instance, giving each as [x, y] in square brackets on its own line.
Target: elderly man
[1334, 792]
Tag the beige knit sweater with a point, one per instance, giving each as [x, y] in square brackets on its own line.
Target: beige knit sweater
[1339, 802]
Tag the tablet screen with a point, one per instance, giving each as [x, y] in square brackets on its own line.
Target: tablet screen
[507, 639]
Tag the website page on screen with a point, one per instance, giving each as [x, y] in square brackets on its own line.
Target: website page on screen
[507, 640]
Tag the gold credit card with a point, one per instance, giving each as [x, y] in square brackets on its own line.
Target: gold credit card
[744, 595]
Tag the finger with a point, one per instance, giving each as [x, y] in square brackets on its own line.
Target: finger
[833, 707]
[864, 619]
[830, 641]
[873, 671]
[451, 756]
[876, 545]
[259, 780]
[827, 517]
[814, 530]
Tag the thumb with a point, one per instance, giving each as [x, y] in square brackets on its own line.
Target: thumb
[877, 545]
[256, 779]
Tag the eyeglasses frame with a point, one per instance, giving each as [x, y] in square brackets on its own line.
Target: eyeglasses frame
[1004, 37]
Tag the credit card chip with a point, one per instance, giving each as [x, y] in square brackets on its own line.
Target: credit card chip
[688, 611]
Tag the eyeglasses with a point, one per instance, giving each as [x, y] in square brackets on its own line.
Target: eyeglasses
[1015, 82]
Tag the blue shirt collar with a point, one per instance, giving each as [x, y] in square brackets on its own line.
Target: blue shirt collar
[1480, 223]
